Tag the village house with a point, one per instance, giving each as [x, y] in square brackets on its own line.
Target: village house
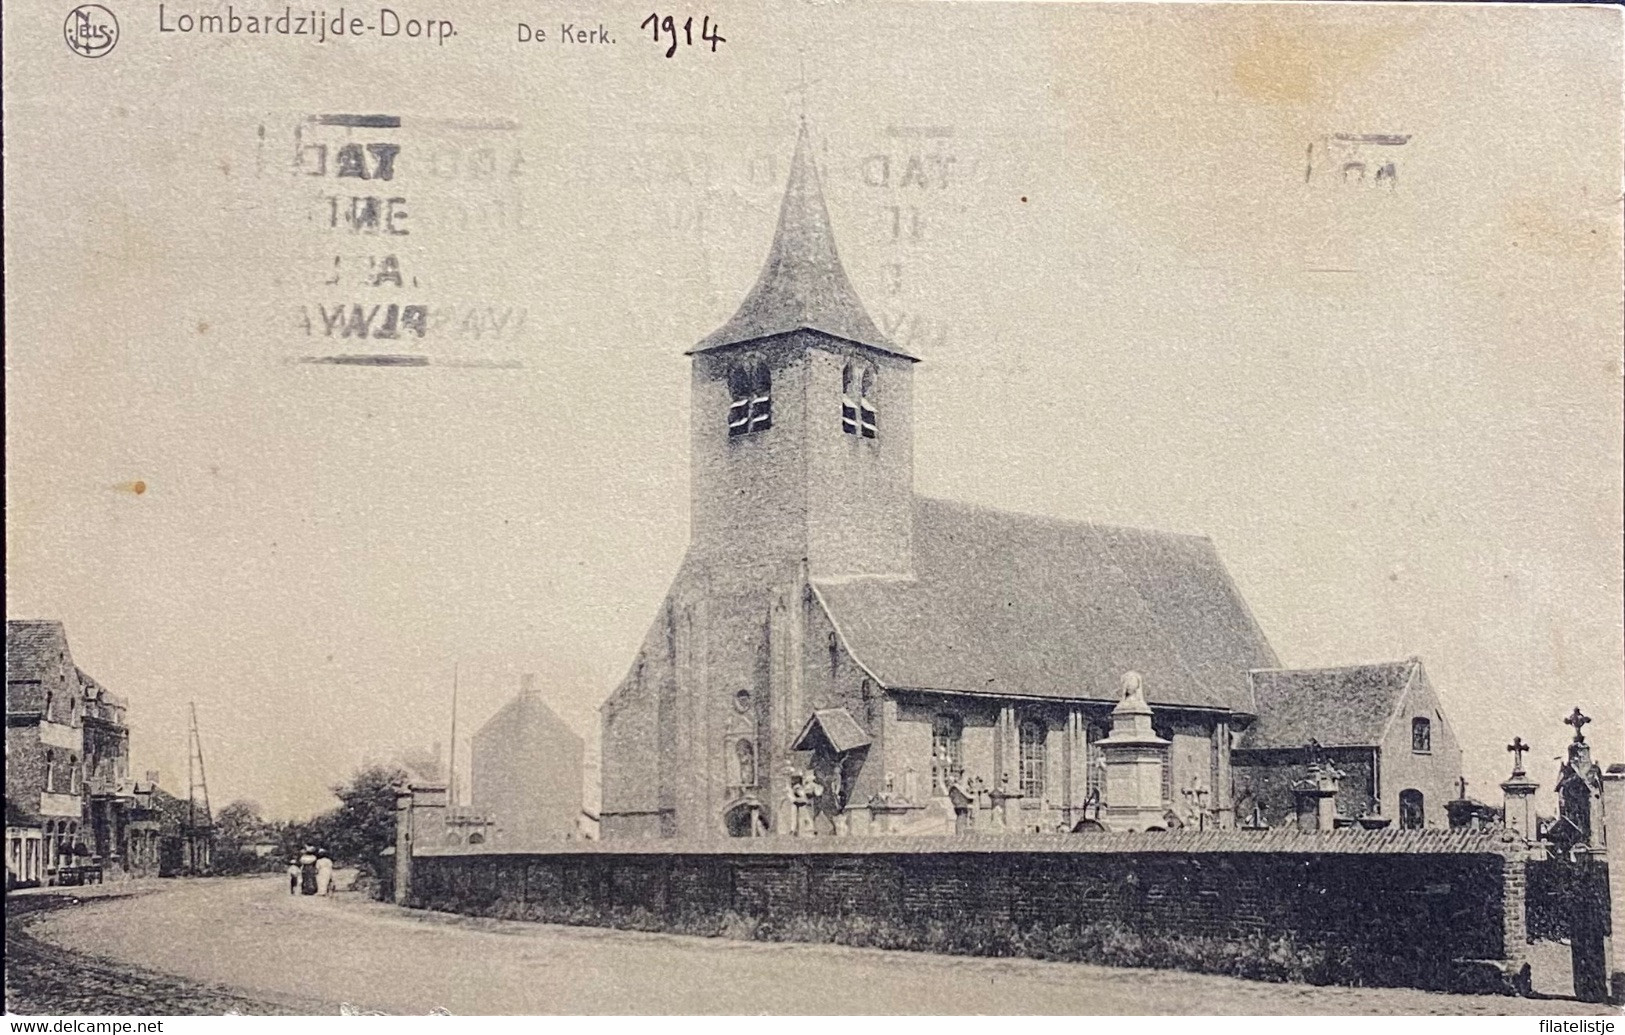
[838, 655]
[69, 797]
[526, 772]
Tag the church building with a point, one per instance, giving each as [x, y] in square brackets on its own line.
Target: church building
[840, 656]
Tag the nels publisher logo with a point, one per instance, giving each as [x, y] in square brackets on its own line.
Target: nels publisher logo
[91, 30]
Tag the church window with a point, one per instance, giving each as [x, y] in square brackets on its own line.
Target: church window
[745, 763]
[849, 405]
[750, 387]
[73, 774]
[742, 701]
[834, 653]
[1421, 736]
[867, 417]
[1410, 810]
[1032, 759]
[1095, 771]
[947, 764]
[50, 772]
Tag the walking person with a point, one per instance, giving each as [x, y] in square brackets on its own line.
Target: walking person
[307, 871]
[293, 876]
[324, 873]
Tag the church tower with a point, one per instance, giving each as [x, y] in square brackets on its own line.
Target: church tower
[802, 415]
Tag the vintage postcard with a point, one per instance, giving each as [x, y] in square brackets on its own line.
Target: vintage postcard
[813, 508]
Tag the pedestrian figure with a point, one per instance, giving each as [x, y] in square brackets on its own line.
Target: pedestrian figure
[293, 876]
[324, 873]
[307, 871]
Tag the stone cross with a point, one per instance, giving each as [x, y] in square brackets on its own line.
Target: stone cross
[1578, 721]
[1518, 748]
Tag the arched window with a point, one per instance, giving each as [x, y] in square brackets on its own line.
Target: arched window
[75, 774]
[1411, 815]
[1032, 759]
[1095, 778]
[867, 415]
[50, 772]
[750, 386]
[745, 759]
[946, 755]
[1421, 736]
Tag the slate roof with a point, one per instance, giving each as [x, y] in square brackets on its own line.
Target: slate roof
[802, 284]
[34, 648]
[1337, 707]
[837, 726]
[1016, 604]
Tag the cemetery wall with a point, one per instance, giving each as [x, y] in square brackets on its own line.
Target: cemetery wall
[1428, 908]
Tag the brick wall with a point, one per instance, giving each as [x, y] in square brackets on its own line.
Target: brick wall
[1426, 909]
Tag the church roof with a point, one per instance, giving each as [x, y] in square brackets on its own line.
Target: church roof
[1014, 604]
[1335, 707]
[802, 284]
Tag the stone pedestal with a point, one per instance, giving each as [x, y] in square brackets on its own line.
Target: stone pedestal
[1518, 805]
[1134, 757]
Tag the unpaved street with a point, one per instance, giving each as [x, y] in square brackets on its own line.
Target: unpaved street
[246, 945]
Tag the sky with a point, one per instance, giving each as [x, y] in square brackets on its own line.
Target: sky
[1120, 237]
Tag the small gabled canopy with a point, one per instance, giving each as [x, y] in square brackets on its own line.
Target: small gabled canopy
[834, 725]
[803, 284]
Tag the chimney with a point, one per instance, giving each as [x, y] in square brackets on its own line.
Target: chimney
[152, 777]
[527, 685]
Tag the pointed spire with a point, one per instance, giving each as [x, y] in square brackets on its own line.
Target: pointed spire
[803, 284]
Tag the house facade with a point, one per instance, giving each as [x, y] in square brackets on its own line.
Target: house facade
[527, 773]
[838, 655]
[68, 792]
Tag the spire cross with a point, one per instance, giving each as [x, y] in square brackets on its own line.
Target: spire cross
[1461, 782]
[1578, 721]
[1518, 748]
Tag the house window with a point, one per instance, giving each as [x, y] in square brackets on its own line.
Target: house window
[745, 763]
[1411, 815]
[947, 731]
[1421, 736]
[1032, 759]
[750, 387]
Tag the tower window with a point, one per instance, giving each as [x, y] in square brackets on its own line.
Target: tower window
[867, 416]
[750, 386]
[858, 411]
[1032, 759]
[849, 406]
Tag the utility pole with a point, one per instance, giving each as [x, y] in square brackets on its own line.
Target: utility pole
[197, 781]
